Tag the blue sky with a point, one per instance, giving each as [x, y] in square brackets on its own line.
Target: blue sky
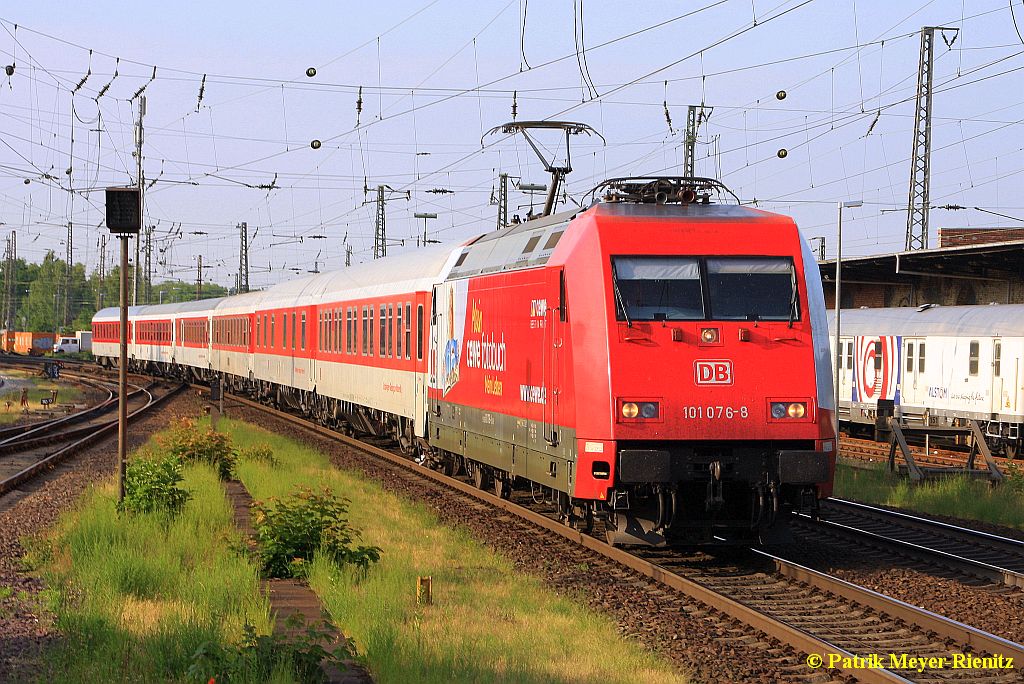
[435, 75]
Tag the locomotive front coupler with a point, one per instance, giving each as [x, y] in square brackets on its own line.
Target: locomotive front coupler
[715, 499]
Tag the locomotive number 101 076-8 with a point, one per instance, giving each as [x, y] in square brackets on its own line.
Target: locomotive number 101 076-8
[713, 412]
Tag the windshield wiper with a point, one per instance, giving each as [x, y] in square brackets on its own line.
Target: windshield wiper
[618, 296]
[792, 299]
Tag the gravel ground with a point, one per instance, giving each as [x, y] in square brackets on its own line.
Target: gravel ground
[24, 626]
[709, 646]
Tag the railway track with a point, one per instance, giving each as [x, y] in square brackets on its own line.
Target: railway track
[811, 612]
[26, 456]
[988, 556]
[878, 452]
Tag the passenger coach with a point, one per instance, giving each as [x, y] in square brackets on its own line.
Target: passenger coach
[935, 365]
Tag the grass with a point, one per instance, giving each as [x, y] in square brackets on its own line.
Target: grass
[959, 496]
[134, 596]
[487, 623]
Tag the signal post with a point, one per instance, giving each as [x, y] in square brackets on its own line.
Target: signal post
[124, 219]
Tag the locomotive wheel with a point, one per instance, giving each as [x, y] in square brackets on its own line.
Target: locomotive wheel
[502, 488]
[582, 519]
[1011, 450]
[481, 478]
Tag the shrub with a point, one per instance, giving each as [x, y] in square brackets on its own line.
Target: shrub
[291, 531]
[151, 484]
[189, 443]
[257, 658]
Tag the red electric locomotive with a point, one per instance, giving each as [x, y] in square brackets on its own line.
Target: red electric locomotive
[658, 361]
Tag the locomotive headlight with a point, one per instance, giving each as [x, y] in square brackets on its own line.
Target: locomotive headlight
[781, 410]
[649, 409]
[630, 410]
[709, 335]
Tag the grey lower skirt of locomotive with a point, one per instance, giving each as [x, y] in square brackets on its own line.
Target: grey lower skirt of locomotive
[712, 492]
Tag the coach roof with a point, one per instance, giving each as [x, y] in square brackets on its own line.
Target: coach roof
[998, 320]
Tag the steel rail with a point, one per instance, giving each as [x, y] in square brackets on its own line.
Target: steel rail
[929, 522]
[40, 429]
[15, 430]
[995, 573]
[962, 634]
[795, 637]
[16, 480]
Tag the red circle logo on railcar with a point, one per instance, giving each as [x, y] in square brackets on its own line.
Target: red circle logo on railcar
[877, 370]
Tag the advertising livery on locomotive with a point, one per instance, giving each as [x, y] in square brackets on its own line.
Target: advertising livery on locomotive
[657, 362]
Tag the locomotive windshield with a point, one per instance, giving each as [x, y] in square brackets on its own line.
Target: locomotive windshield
[658, 288]
[677, 288]
[752, 288]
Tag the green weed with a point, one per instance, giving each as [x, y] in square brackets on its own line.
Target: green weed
[294, 529]
[187, 441]
[151, 485]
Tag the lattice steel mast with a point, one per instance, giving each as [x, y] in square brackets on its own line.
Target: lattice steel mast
[920, 158]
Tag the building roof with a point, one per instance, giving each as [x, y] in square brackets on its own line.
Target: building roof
[995, 320]
[992, 261]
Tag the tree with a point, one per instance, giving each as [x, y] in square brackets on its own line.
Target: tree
[41, 308]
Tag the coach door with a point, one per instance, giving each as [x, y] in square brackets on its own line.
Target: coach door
[1003, 396]
[913, 388]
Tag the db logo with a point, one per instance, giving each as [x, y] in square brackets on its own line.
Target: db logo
[712, 372]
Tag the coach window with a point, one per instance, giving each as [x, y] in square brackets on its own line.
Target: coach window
[383, 342]
[849, 354]
[398, 334]
[338, 331]
[920, 358]
[419, 332]
[910, 357]
[302, 338]
[973, 364]
[408, 330]
[370, 310]
[997, 358]
[368, 330]
[391, 329]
